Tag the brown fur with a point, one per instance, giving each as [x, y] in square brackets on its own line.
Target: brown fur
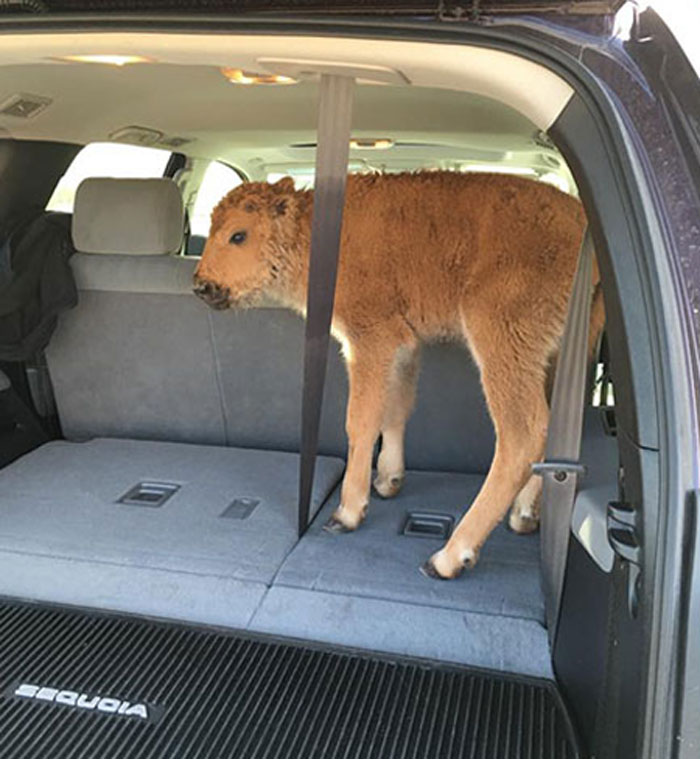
[488, 259]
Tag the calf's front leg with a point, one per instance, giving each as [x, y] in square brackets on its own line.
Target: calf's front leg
[369, 373]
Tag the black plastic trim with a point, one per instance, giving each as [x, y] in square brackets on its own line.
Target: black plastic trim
[688, 677]
[449, 8]
[427, 524]
[176, 162]
[149, 494]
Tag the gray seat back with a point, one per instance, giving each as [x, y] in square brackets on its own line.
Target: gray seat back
[260, 356]
[141, 357]
[134, 358]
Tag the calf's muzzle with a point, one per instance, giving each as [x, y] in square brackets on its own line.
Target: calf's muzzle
[211, 293]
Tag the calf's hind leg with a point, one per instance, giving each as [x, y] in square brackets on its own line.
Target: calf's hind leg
[401, 395]
[513, 379]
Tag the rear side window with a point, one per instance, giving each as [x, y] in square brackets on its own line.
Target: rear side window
[107, 159]
[303, 180]
[218, 179]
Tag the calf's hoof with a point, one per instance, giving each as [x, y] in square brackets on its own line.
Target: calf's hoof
[441, 566]
[342, 521]
[335, 526]
[387, 486]
[428, 570]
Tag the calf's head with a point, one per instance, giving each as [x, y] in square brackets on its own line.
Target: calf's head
[249, 229]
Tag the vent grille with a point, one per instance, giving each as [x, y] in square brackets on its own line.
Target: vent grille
[24, 106]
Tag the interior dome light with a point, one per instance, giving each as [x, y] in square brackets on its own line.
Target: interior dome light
[368, 143]
[239, 76]
[107, 60]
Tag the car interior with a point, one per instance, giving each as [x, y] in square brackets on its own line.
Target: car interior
[162, 481]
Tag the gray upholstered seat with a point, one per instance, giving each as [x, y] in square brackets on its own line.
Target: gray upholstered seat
[135, 358]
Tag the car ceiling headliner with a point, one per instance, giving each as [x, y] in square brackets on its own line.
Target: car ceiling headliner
[91, 101]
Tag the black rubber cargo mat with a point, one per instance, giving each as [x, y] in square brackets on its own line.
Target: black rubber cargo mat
[78, 685]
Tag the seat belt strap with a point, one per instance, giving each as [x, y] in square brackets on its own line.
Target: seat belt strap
[333, 144]
[561, 468]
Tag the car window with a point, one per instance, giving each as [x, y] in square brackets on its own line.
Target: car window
[303, 180]
[217, 181]
[107, 159]
[603, 390]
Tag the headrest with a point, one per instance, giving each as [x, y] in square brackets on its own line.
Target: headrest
[129, 216]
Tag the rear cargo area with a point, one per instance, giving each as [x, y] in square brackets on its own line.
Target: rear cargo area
[174, 492]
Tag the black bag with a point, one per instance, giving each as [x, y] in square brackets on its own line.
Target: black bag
[36, 284]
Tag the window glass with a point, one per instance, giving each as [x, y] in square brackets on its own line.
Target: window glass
[603, 390]
[107, 159]
[304, 176]
[303, 180]
[217, 181]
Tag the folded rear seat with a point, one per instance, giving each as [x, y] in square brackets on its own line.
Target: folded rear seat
[135, 365]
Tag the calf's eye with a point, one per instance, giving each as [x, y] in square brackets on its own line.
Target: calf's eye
[237, 238]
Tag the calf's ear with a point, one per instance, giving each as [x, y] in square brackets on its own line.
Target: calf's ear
[283, 198]
[284, 186]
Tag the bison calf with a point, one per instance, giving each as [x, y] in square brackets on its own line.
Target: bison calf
[487, 259]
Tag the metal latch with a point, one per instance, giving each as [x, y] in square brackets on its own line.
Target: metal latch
[558, 470]
[623, 535]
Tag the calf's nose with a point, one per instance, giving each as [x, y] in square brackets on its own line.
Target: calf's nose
[210, 292]
[202, 287]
